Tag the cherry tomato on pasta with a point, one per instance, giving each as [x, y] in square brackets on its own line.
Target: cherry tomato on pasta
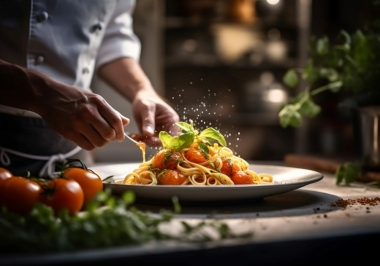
[60, 193]
[4, 174]
[195, 155]
[89, 181]
[166, 159]
[171, 177]
[19, 194]
[241, 178]
[228, 168]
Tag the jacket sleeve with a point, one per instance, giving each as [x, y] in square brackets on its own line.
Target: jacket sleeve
[119, 38]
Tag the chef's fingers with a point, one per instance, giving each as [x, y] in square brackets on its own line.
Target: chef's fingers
[111, 126]
[147, 120]
[150, 141]
[82, 141]
[153, 142]
[166, 121]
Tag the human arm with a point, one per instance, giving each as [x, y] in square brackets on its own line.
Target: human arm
[78, 115]
[151, 112]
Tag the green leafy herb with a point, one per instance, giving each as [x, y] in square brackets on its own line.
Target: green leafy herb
[178, 142]
[347, 173]
[352, 64]
[107, 222]
[188, 135]
[204, 149]
[212, 135]
[187, 127]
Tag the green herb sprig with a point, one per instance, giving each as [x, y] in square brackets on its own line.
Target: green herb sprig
[107, 222]
[353, 65]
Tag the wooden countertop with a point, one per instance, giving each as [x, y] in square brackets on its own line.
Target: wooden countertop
[325, 164]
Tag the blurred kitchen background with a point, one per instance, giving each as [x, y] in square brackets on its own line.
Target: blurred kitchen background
[221, 63]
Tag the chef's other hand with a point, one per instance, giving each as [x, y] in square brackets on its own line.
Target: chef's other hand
[152, 115]
[78, 115]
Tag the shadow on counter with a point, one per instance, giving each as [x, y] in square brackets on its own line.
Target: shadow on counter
[293, 203]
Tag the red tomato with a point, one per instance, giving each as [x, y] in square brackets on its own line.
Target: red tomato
[19, 194]
[241, 178]
[165, 159]
[4, 174]
[195, 155]
[171, 177]
[228, 168]
[61, 193]
[89, 181]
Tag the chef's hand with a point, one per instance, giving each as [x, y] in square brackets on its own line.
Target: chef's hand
[83, 117]
[151, 112]
[78, 115]
[152, 115]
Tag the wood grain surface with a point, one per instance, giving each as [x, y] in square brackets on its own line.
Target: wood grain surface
[325, 164]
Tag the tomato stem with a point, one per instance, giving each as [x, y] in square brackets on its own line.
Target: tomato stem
[70, 161]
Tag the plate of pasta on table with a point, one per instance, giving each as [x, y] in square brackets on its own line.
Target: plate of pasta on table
[198, 167]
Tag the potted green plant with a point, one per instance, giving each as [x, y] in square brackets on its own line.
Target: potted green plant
[348, 64]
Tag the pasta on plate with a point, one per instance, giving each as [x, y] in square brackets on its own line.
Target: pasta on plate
[193, 158]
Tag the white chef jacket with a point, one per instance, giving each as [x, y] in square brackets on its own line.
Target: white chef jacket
[66, 39]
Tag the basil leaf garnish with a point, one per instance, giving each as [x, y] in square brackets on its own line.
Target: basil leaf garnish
[176, 143]
[212, 134]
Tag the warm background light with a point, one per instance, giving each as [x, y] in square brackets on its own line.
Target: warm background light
[273, 2]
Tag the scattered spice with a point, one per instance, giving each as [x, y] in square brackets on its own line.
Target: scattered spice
[362, 201]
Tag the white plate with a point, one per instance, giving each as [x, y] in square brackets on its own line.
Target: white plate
[285, 179]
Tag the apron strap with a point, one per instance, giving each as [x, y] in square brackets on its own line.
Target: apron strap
[51, 160]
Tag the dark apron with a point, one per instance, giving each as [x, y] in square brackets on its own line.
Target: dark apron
[33, 136]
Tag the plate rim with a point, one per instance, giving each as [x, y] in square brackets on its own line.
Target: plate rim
[278, 188]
